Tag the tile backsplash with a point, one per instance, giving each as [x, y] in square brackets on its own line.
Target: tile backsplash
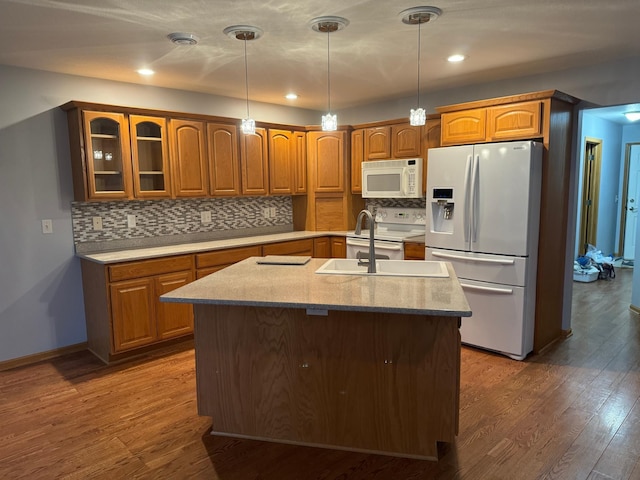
[373, 203]
[166, 222]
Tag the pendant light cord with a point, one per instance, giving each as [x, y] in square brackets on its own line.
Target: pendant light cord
[246, 74]
[419, 24]
[328, 74]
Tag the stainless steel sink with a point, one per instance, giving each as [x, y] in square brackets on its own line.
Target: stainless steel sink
[397, 268]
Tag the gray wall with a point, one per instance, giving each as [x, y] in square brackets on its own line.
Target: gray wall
[613, 83]
[41, 305]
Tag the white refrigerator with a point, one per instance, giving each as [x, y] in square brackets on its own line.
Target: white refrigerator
[483, 213]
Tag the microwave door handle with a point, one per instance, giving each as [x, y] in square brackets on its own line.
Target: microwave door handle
[405, 182]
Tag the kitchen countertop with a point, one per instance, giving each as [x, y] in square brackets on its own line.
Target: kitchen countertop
[196, 247]
[298, 286]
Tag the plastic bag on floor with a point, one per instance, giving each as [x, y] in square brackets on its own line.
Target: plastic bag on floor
[596, 255]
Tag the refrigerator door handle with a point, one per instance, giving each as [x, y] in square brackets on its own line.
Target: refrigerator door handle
[467, 197]
[499, 261]
[474, 199]
[508, 291]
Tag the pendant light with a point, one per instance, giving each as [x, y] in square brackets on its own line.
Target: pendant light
[245, 33]
[418, 16]
[329, 25]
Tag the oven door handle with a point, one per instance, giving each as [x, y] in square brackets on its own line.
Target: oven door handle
[381, 246]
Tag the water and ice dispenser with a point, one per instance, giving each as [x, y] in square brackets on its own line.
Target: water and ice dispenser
[442, 210]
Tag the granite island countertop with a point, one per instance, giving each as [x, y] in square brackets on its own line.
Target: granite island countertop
[248, 283]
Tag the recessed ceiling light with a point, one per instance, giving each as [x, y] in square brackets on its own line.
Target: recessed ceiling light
[456, 58]
[181, 38]
[291, 96]
[146, 71]
[632, 116]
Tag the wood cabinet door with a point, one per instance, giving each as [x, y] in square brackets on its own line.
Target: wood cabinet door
[405, 141]
[132, 314]
[464, 127]
[326, 154]
[188, 158]
[149, 156]
[414, 251]
[172, 319]
[338, 247]
[299, 147]
[322, 247]
[377, 143]
[107, 156]
[514, 121]
[281, 163]
[224, 168]
[253, 163]
[357, 157]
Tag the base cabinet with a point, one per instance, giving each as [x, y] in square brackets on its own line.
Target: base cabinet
[123, 311]
[414, 251]
[329, 247]
[124, 314]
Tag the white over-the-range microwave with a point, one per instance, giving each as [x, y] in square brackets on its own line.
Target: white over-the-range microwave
[392, 178]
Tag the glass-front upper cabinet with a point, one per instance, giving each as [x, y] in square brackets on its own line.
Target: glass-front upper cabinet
[107, 155]
[149, 155]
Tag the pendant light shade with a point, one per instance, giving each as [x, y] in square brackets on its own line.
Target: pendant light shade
[245, 33]
[329, 25]
[418, 16]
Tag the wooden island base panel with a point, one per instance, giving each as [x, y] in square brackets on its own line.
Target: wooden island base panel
[365, 363]
[373, 382]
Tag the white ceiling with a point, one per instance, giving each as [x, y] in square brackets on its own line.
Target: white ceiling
[373, 59]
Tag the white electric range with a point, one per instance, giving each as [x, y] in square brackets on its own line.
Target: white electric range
[392, 226]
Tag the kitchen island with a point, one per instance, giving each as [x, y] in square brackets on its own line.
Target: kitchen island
[357, 362]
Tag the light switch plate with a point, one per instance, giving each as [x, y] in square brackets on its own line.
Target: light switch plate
[47, 226]
[273, 212]
[97, 223]
[265, 212]
[205, 217]
[131, 221]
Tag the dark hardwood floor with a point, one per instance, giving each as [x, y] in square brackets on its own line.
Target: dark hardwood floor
[570, 413]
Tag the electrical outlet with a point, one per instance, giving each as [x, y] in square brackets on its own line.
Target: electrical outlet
[265, 212]
[97, 223]
[273, 212]
[47, 226]
[205, 217]
[131, 221]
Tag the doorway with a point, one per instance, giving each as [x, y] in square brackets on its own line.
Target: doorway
[590, 193]
[630, 202]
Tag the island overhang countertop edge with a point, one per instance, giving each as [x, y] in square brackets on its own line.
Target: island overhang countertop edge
[248, 283]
